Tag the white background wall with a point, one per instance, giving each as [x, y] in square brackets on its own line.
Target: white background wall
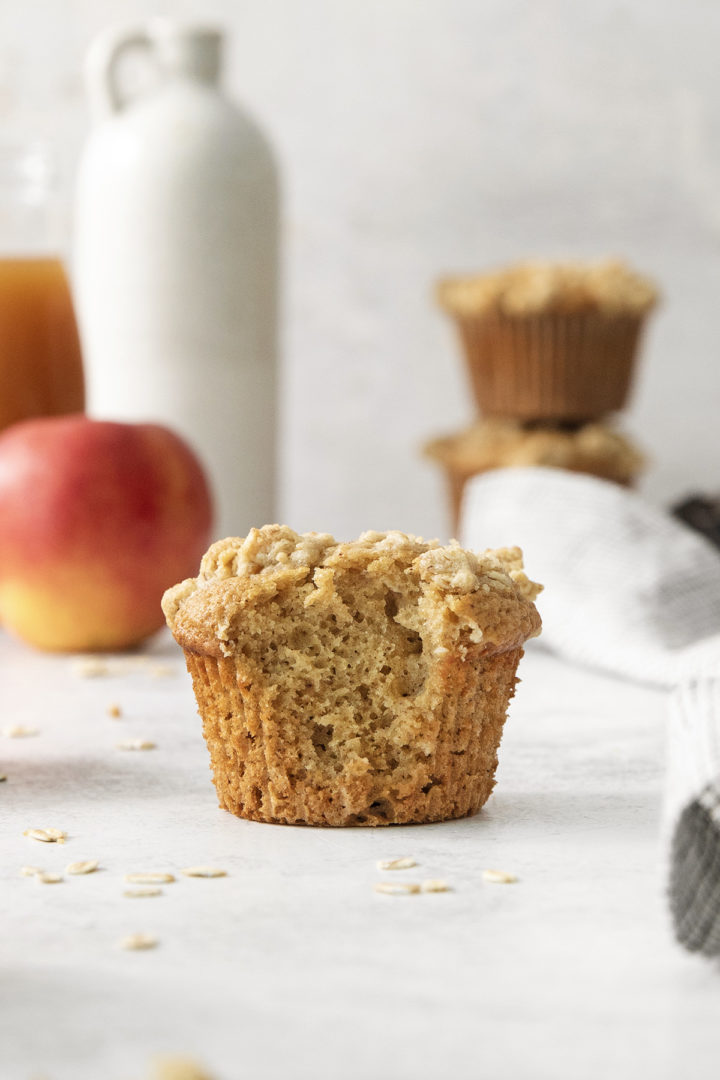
[421, 136]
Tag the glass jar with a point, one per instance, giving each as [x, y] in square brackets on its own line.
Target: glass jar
[41, 370]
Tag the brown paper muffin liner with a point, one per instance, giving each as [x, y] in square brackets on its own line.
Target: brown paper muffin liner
[596, 450]
[570, 367]
[257, 774]
[457, 480]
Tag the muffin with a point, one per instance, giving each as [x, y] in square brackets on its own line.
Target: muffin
[550, 341]
[497, 444]
[361, 683]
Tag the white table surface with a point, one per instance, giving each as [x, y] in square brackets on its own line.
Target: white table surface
[292, 966]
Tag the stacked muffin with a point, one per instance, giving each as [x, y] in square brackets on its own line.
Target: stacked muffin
[550, 350]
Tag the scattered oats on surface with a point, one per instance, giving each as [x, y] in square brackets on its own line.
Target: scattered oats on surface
[151, 664]
[114, 710]
[48, 878]
[161, 671]
[203, 871]
[397, 864]
[131, 663]
[19, 731]
[93, 667]
[499, 877]
[135, 894]
[135, 942]
[31, 871]
[435, 885]
[136, 744]
[47, 836]
[89, 667]
[396, 888]
[178, 1068]
[150, 877]
[87, 867]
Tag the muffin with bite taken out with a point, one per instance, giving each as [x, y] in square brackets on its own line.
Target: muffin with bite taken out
[361, 683]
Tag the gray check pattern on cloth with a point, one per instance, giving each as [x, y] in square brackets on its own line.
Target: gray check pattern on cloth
[695, 874]
[693, 812]
[635, 593]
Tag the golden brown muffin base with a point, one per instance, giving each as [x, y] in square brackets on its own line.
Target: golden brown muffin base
[258, 775]
[566, 367]
[594, 449]
[457, 479]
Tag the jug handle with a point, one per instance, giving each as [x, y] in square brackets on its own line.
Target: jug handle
[102, 63]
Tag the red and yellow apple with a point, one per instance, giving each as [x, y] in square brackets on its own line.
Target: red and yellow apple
[97, 519]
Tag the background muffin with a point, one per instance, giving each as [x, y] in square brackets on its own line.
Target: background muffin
[554, 341]
[595, 448]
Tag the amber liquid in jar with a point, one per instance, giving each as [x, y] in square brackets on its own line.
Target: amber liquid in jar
[41, 370]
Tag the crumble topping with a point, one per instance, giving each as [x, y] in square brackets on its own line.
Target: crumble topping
[493, 444]
[441, 592]
[534, 287]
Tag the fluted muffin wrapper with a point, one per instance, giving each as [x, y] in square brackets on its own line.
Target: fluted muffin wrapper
[457, 477]
[458, 473]
[565, 367]
[258, 776]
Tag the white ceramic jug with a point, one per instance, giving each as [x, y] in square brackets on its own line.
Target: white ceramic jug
[175, 262]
